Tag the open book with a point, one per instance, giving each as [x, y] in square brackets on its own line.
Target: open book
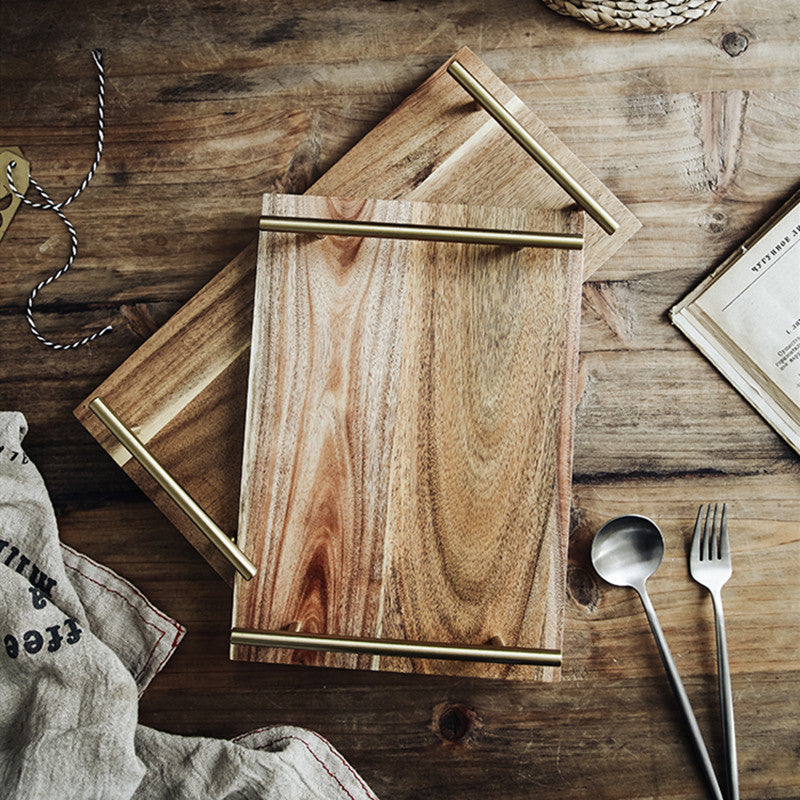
[745, 318]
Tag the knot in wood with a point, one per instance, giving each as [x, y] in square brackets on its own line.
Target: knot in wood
[455, 723]
[582, 587]
[734, 43]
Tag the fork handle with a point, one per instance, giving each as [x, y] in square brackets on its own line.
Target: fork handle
[680, 695]
[726, 699]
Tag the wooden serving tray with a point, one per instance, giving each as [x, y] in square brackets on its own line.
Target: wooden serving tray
[406, 411]
[183, 391]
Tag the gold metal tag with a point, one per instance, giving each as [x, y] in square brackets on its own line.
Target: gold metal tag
[9, 202]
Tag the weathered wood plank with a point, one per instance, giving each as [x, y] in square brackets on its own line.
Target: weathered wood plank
[230, 51]
[713, 184]
[664, 418]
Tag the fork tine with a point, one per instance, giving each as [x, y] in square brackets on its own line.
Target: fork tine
[704, 544]
[724, 546]
[708, 532]
[713, 545]
[698, 535]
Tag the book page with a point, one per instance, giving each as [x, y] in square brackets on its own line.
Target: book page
[757, 303]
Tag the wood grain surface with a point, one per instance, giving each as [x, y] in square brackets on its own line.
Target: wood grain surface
[407, 451]
[482, 457]
[323, 397]
[208, 106]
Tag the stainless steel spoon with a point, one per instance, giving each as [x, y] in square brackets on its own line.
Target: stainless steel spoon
[626, 551]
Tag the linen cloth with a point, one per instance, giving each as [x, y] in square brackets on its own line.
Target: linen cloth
[80, 645]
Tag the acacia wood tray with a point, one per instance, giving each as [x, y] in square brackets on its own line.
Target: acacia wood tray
[406, 414]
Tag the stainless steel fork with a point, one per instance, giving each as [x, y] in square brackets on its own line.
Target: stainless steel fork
[710, 566]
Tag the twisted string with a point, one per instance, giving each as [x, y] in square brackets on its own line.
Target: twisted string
[51, 205]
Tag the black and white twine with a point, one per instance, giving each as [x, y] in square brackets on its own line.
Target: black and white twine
[50, 205]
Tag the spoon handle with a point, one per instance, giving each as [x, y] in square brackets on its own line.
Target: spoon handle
[680, 695]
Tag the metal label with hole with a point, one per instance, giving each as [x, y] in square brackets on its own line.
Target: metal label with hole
[9, 202]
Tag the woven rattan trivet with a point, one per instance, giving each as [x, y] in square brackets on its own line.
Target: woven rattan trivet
[648, 16]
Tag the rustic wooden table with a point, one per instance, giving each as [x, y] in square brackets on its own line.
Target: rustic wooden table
[208, 105]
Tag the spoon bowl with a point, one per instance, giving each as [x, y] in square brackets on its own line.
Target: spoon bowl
[627, 550]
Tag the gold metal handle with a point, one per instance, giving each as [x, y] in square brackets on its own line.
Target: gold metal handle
[496, 109]
[569, 241]
[395, 647]
[185, 502]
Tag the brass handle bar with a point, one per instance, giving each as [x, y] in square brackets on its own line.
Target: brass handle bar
[568, 241]
[395, 647]
[185, 502]
[505, 119]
